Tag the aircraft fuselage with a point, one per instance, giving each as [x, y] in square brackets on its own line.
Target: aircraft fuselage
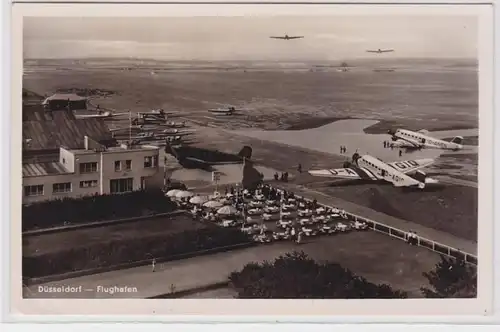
[378, 170]
[419, 140]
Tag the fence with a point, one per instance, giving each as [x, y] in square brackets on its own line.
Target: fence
[401, 234]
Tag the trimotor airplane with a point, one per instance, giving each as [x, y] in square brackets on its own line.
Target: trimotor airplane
[379, 51]
[421, 139]
[286, 37]
[367, 167]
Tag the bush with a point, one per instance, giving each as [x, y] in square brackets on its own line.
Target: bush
[95, 208]
[451, 278]
[295, 276]
[127, 251]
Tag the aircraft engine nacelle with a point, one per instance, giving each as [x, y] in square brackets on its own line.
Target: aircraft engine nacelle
[394, 138]
[420, 176]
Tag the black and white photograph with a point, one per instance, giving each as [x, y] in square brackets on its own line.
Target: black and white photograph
[299, 154]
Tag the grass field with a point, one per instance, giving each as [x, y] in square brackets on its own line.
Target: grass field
[55, 242]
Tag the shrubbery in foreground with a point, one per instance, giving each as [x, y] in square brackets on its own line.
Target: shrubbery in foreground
[130, 250]
[451, 278]
[94, 208]
[297, 276]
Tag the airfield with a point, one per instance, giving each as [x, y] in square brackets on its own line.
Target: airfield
[302, 113]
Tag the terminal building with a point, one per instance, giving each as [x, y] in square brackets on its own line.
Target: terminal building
[68, 157]
[93, 170]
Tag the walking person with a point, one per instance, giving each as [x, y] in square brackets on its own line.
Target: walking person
[153, 264]
[400, 153]
[299, 237]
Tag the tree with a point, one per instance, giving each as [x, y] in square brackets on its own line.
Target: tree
[451, 278]
[295, 275]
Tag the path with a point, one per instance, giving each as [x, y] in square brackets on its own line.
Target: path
[401, 266]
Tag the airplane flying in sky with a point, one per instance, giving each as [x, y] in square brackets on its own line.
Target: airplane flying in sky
[286, 37]
[421, 139]
[367, 167]
[379, 51]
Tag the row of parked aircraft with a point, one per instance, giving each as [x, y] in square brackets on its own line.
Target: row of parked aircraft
[367, 167]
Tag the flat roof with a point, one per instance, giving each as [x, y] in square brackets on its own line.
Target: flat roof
[65, 96]
[116, 149]
[41, 169]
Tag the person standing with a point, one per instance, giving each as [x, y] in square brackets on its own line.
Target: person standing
[153, 264]
[299, 237]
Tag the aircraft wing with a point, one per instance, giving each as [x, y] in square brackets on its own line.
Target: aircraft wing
[385, 51]
[423, 131]
[408, 166]
[370, 51]
[339, 173]
[274, 37]
[295, 37]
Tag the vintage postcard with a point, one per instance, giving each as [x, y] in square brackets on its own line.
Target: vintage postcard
[240, 159]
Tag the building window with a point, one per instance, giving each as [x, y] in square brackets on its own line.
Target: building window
[128, 165]
[121, 185]
[88, 184]
[58, 188]
[88, 167]
[150, 161]
[118, 166]
[36, 190]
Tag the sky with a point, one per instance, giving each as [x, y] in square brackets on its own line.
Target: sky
[247, 38]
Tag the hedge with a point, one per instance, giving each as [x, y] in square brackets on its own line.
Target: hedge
[95, 208]
[125, 251]
[296, 276]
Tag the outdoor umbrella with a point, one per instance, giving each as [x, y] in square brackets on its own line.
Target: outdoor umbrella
[227, 210]
[212, 204]
[184, 194]
[173, 192]
[198, 200]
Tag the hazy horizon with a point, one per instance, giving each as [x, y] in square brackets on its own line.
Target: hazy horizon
[327, 38]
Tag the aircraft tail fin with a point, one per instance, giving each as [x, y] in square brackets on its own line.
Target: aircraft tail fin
[457, 140]
[246, 152]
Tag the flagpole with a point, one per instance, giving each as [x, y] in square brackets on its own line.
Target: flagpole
[130, 126]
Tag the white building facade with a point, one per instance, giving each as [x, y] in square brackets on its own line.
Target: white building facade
[90, 171]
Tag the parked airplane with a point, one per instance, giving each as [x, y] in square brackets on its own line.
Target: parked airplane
[286, 37]
[100, 115]
[420, 139]
[367, 167]
[171, 131]
[173, 124]
[379, 51]
[225, 111]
